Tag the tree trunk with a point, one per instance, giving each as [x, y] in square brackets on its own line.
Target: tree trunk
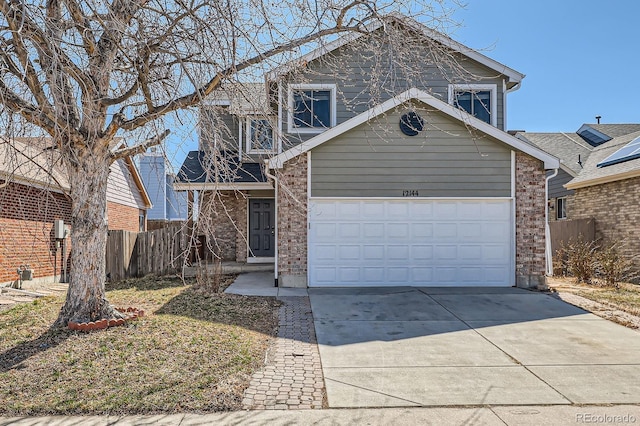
[86, 299]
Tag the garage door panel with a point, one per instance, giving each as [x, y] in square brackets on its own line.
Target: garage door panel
[349, 210]
[421, 275]
[372, 230]
[351, 252]
[372, 209]
[445, 210]
[422, 230]
[397, 230]
[443, 252]
[445, 230]
[417, 242]
[421, 210]
[470, 252]
[420, 252]
[372, 274]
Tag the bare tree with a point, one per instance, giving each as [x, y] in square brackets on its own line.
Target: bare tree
[85, 72]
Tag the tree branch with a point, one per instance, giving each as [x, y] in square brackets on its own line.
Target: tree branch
[83, 26]
[202, 92]
[139, 149]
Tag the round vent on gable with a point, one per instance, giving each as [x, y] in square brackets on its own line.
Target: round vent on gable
[411, 123]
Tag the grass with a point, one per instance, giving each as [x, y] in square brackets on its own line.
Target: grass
[192, 352]
[626, 298]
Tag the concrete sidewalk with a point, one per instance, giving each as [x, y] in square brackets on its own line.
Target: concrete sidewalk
[261, 284]
[503, 415]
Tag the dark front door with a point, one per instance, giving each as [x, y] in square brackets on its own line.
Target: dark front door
[262, 229]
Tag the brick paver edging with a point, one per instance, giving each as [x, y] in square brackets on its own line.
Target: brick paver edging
[292, 377]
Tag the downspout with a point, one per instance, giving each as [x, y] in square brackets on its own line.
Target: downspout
[275, 263]
[547, 231]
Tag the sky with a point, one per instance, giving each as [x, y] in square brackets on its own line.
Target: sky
[581, 59]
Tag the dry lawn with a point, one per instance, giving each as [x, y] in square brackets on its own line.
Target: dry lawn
[626, 298]
[192, 352]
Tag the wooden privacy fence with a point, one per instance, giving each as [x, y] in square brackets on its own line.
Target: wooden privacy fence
[132, 254]
[563, 231]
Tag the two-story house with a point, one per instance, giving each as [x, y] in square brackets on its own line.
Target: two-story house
[364, 163]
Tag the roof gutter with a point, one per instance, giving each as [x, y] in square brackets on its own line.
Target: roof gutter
[603, 179]
[515, 87]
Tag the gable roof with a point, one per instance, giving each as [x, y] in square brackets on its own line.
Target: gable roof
[550, 162]
[33, 162]
[514, 76]
[27, 164]
[594, 175]
[571, 149]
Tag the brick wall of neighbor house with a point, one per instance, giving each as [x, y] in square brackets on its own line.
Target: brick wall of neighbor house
[26, 229]
[615, 206]
[123, 218]
[530, 217]
[292, 223]
[222, 217]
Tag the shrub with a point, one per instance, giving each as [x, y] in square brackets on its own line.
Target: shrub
[612, 266]
[580, 259]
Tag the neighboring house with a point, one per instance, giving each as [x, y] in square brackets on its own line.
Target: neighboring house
[169, 206]
[33, 188]
[419, 185]
[605, 185]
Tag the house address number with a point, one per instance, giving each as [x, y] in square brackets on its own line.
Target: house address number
[410, 193]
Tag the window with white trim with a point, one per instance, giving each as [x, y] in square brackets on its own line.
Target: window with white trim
[312, 108]
[259, 135]
[561, 208]
[479, 100]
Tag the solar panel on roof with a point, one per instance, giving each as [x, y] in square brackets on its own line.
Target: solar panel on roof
[628, 152]
[594, 137]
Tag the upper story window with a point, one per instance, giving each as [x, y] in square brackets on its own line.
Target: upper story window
[259, 135]
[479, 100]
[312, 108]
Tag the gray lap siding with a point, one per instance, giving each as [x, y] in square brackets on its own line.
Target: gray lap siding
[445, 160]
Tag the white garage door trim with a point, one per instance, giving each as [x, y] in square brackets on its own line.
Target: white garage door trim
[417, 241]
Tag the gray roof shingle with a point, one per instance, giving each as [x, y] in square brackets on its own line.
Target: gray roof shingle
[198, 168]
[616, 130]
[566, 146]
[591, 171]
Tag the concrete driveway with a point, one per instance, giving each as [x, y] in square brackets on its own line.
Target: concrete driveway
[397, 347]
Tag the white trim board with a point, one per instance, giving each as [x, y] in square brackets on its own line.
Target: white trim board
[550, 162]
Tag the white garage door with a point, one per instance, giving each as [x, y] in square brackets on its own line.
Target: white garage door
[374, 242]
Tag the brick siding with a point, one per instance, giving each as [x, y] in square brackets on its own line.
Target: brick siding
[223, 217]
[27, 215]
[615, 206]
[123, 218]
[292, 223]
[530, 221]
